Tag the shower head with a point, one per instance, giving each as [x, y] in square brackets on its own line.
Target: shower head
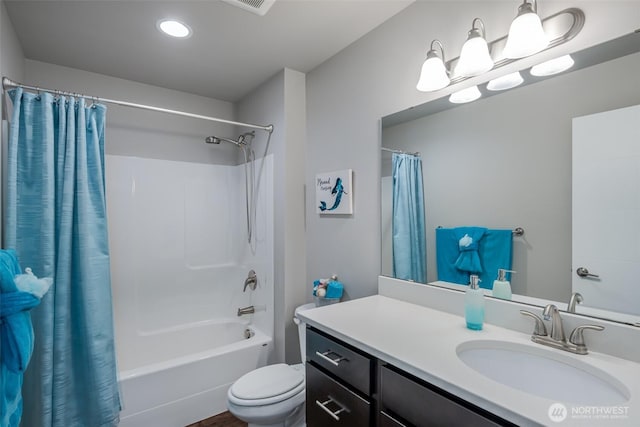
[217, 140]
[239, 143]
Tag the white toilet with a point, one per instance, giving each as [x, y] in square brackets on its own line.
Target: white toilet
[272, 395]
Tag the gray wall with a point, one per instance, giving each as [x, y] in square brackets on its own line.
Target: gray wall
[11, 55]
[134, 132]
[376, 76]
[281, 102]
[11, 66]
[505, 161]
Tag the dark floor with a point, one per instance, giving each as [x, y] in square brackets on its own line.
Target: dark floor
[224, 419]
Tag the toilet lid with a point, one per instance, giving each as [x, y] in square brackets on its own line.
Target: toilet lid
[269, 381]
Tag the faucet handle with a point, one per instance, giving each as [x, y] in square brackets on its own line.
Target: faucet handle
[577, 336]
[540, 328]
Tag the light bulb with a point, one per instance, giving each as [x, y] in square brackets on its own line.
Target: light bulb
[465, 95]
[526, 35]
[553, 66]
[505, 82]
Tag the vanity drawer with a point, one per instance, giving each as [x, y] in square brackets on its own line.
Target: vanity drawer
[337, 358]
[329, 403]
[414, 402]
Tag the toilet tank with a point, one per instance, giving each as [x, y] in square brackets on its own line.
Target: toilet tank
[302, 329]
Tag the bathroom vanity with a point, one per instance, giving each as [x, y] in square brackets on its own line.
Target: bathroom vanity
[381, 361]
[346, 386]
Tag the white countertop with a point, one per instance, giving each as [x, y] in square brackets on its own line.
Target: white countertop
[423, 341]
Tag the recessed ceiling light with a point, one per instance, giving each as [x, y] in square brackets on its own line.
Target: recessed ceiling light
[174, 28]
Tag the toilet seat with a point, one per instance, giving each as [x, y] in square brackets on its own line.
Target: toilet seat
[267, 385]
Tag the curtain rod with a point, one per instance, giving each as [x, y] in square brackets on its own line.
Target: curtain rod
[392, 150]
[8, 83]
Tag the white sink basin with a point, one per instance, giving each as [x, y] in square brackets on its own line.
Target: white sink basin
[543, 372]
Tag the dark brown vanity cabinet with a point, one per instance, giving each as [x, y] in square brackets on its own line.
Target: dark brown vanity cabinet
[339, 383]
[408, 401]
[348, 387]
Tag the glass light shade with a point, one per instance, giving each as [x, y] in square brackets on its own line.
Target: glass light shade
[526, 36]
[433, 75]
[174, 28]
[465, 95]
[475, 58]
[505, 82]
[553, 66]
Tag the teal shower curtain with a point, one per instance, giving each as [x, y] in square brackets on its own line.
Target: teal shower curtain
[408, 230]
[56, 221]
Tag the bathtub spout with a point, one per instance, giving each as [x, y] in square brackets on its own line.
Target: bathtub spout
[246, 310]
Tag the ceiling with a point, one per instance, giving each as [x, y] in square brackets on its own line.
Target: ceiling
[231, 51]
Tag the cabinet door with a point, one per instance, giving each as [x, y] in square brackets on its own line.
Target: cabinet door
[423, 405]
[329, 403]
[341, 360]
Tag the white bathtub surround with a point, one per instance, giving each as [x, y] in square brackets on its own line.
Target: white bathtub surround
[184, 390]
[403, 328]
[180, 256]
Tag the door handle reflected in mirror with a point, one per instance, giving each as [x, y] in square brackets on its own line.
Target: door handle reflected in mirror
[583, 272]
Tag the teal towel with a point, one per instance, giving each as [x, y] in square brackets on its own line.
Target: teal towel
[468, 260]
[455, 264]
[16, 338]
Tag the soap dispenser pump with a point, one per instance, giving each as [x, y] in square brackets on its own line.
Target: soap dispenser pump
[501, 286]
[474, 304]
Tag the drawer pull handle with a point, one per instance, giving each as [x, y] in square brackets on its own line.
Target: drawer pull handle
[325, 356]
[333, 414]
[392, 419]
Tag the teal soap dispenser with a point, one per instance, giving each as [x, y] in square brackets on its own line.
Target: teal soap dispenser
[501, 286]
[474, 304]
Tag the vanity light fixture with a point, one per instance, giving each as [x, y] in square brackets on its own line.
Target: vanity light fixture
[526, 35]
[553, 66]
[475, 58]
[465, 95]
[479, 56]
[505, 82]
[174, 28]
[434, 75]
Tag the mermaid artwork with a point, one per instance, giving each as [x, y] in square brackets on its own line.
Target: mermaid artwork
[338, 190]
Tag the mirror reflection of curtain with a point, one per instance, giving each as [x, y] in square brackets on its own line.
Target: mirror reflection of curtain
[56, 222]
[409, 245]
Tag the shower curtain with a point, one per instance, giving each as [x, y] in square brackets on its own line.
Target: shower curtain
[56, 221]
[409, 242]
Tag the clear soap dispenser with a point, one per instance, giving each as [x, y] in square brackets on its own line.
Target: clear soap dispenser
[501, 286]
[474, 304]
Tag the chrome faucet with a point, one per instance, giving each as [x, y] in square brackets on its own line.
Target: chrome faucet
[557, 338]
[246, 310]
[576, 298]
[251, 281]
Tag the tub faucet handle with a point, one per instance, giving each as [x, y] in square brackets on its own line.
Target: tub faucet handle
[251, 281]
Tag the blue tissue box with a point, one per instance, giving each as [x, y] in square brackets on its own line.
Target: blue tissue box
[334, 289]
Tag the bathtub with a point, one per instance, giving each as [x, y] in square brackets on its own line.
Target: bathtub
[180, 375]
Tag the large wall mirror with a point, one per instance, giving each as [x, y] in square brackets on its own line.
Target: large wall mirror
[506, 161]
